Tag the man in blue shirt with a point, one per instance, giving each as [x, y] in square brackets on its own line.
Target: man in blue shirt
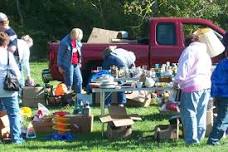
[120, 58]
[4, 27]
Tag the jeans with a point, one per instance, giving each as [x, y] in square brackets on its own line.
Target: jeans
[221, 123]
[193, 109]
[73, 78]
[121, 97]
[12, 107]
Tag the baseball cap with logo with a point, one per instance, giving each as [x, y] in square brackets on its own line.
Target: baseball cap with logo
[3, 17]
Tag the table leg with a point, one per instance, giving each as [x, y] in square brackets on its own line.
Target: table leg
[102, 105]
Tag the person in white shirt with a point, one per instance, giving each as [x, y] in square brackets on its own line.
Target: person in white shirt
[24, 45]
[9, 99]
[193, 77]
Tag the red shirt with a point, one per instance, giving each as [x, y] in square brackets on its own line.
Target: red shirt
[75, 56]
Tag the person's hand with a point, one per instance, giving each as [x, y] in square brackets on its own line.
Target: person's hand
[60, 70]
[175, 85]
[79, 65]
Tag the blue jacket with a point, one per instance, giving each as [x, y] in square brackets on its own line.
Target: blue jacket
[219, 79]
[65, 52]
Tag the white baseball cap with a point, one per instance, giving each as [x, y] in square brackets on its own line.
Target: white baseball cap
[3, 17]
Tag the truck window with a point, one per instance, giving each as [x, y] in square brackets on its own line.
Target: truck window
[166, 34]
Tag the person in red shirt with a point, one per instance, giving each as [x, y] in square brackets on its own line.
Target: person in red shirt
[69, 59]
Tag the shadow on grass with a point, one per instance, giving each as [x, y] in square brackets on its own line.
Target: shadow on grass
[94, 140]
[156, 117]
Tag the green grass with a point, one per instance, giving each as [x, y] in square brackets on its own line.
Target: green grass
[141, 140]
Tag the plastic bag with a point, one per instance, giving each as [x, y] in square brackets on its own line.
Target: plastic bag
[41, 112]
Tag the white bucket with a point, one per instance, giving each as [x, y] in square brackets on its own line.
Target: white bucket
[214, 45]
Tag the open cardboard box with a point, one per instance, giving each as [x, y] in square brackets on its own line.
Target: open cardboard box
[139, 99]
[120, 119]
[99, 35]
[81, 123]
[44, 125]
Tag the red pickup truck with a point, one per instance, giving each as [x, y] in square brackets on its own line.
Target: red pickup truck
[165, 42]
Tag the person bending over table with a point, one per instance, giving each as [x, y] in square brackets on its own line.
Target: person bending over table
[122, 59]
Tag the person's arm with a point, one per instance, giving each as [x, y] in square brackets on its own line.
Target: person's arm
[79, 47]
[132, 59]
[184, 66]
[12, 47]
[60, 56]
[25, 62]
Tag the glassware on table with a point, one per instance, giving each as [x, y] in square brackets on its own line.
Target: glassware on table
[144, 67]
[99, 68]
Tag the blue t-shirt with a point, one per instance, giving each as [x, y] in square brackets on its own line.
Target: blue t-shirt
[13, 39]
[219, 80]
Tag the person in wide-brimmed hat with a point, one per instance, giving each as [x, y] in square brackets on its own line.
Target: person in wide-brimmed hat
[193, 77]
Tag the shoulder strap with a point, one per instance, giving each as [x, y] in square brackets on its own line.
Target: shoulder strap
[7, 57]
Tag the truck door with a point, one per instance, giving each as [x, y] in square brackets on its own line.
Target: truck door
[165, 43]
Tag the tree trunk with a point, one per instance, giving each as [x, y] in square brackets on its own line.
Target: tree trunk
[20, 13]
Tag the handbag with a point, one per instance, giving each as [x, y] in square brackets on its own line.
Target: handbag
[11, 82]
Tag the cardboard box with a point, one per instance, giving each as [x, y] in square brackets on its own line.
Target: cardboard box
[99, 35]
[165, 132]
[139, 99]
[81, 123]
[32, 96]
[120, 121]
[43, 126]
[118, 132]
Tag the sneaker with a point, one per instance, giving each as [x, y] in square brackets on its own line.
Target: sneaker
[18, 142]
[107, 105]
[121, 105]
[213, 143]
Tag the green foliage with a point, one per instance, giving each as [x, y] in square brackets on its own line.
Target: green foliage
[208, 9]
[47, 20]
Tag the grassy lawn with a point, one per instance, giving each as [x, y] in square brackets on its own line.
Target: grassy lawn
[141, 140]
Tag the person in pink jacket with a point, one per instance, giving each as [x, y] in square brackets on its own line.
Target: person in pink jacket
[193, 78]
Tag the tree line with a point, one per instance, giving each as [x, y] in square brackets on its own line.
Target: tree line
[48, 20]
